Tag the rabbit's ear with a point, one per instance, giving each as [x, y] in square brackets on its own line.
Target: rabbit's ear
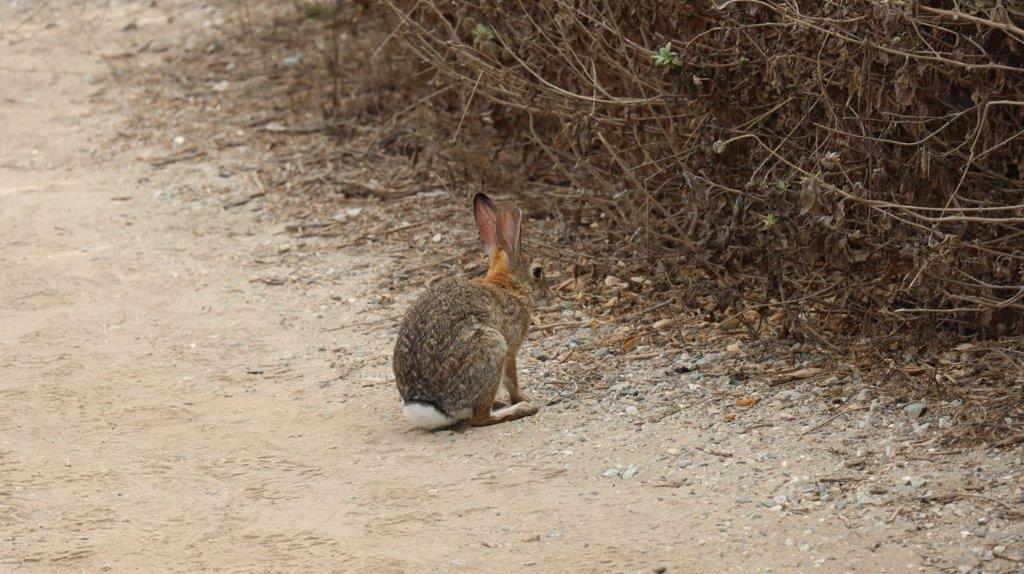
[509, 226]
[486, 215]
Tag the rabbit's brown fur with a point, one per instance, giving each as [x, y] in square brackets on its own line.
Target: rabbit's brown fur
[458, 342]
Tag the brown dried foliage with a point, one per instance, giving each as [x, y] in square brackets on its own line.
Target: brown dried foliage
[858, 164]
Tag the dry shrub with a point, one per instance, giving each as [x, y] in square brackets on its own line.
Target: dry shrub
[857, 164]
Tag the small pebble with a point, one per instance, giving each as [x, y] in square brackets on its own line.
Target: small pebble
[790, 395]
[915, 410]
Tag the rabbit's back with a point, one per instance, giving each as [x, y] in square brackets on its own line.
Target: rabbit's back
[449, 349]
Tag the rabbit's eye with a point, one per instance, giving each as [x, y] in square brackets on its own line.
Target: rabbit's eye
[538, 272]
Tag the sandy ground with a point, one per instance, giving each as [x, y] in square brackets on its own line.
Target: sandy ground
[162, 411]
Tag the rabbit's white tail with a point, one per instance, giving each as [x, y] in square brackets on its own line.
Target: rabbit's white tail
[426, 417]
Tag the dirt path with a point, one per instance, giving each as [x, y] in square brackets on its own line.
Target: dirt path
[162, 411]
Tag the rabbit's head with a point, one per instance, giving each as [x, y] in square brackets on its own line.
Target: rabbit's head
[512, 264]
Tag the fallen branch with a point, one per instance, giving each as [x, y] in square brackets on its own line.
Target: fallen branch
[834, 417]
[720, 453]
[243, 200]
[183, 156]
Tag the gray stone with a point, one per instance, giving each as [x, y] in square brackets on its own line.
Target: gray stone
[917, 481]
[709, 358]
[682, 366]
[623, 388]
[864, 498]
[790, 395]
[915, 410]
[583, 333]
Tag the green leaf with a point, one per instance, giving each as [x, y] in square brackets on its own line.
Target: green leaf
[315, 10]
[665, 57]
[483, 33]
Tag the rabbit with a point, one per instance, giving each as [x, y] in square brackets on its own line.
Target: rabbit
[457, 343]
